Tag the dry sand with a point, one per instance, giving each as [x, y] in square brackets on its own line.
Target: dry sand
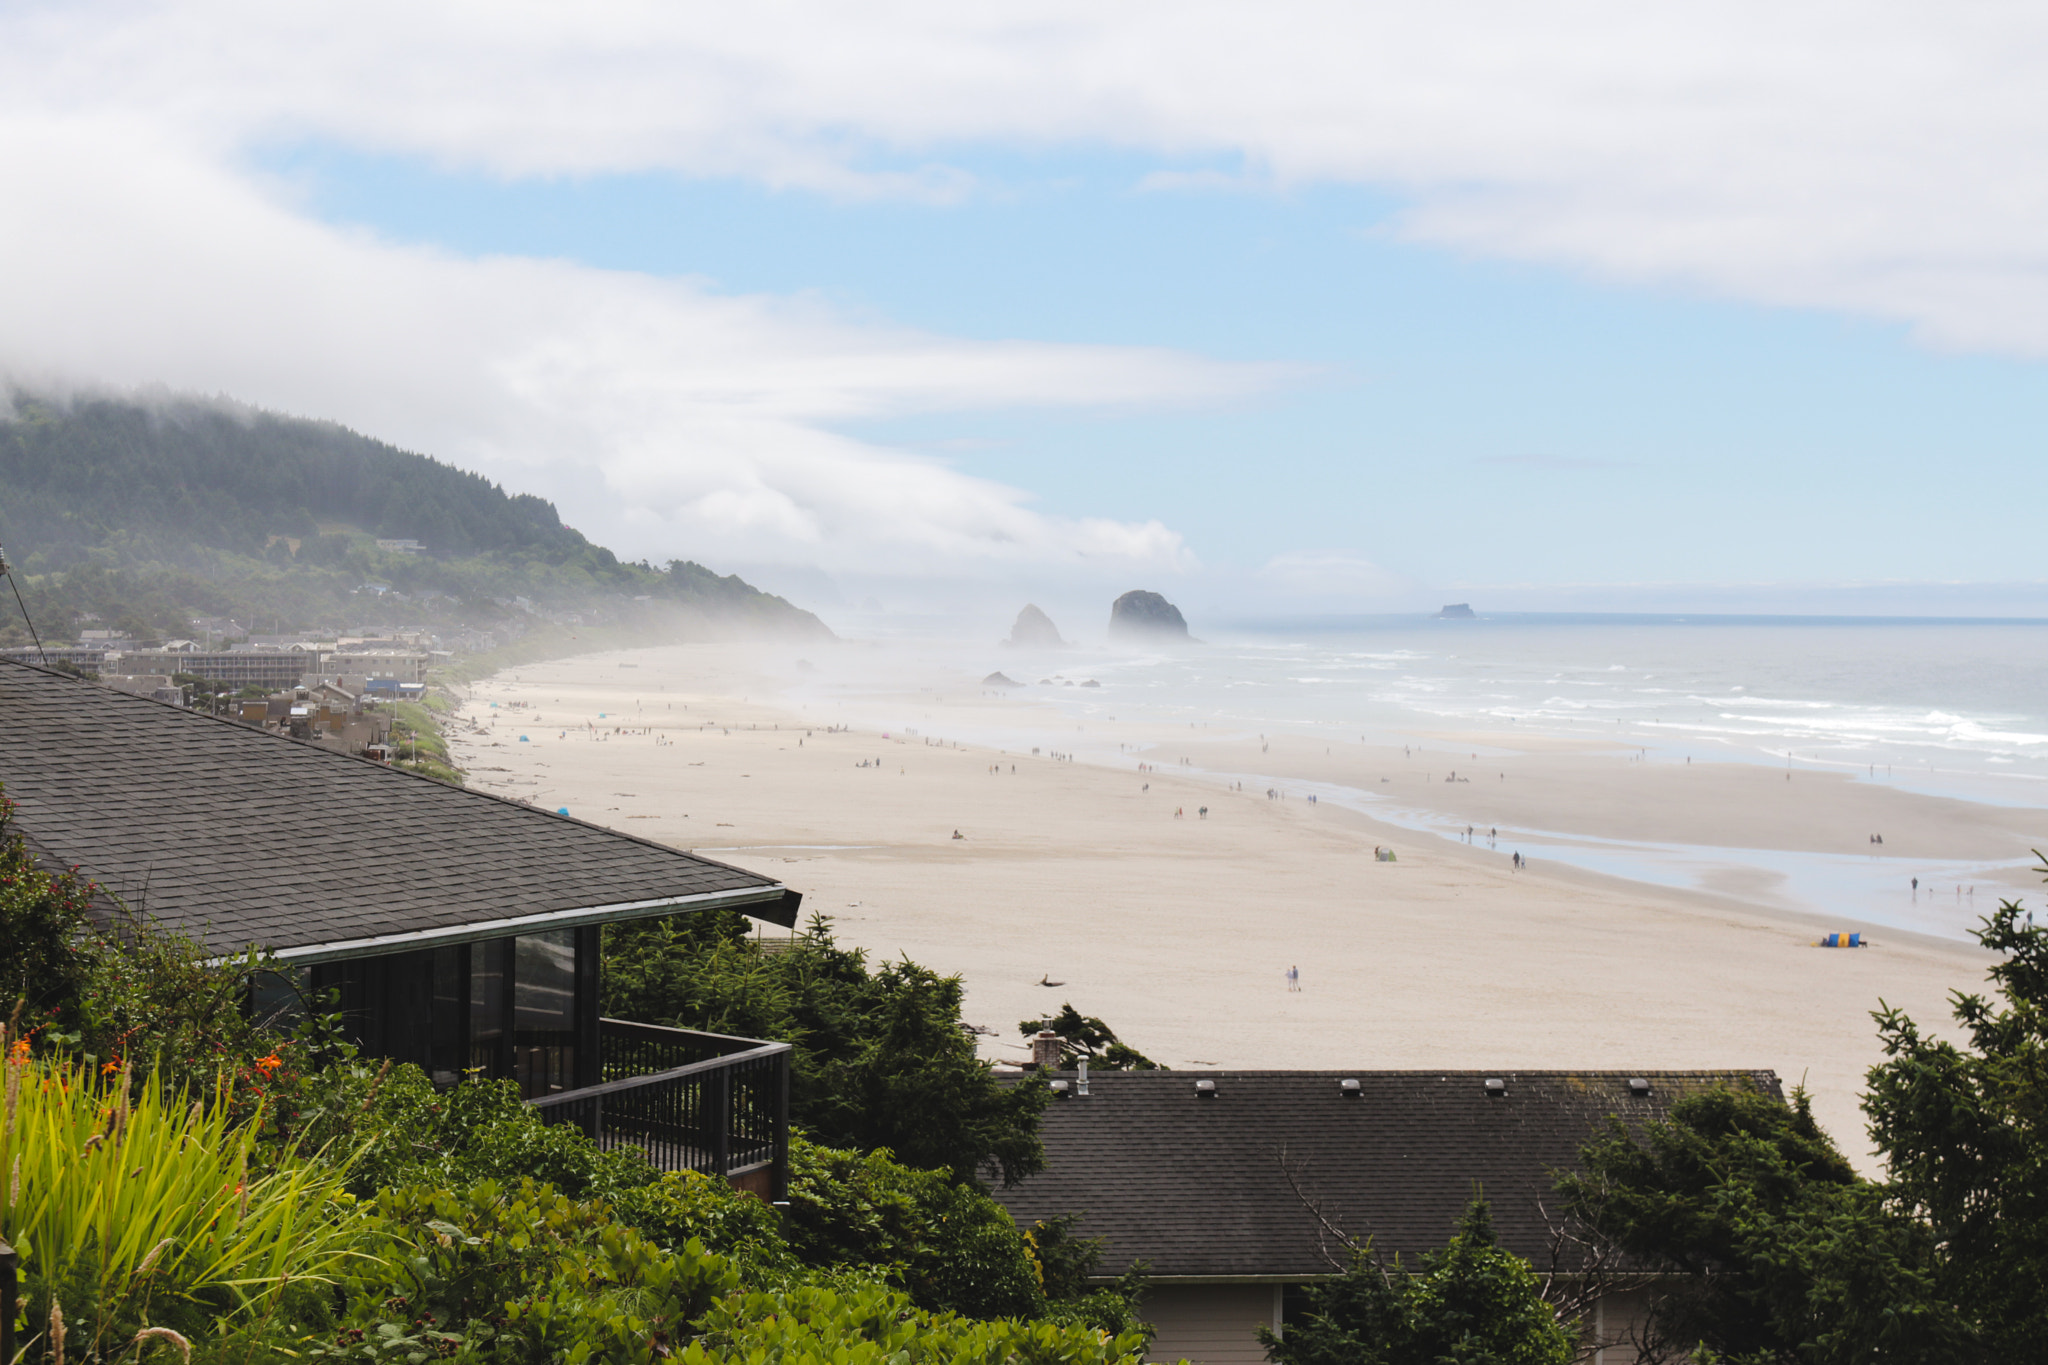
[1178, 931]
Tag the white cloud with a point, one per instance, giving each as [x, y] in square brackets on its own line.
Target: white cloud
[1875, 158]
[1333, 580]
[1872, 157]
[662, 416]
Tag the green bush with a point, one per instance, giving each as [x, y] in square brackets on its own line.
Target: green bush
[688, 1206]
[518, 1273]
[44, 923]
[400, 1130]
[522, 1274]
[1472, 1303]
[871, 1325]
[949, 1245]
[880, 1058]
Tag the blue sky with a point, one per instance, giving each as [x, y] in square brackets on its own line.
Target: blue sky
[1455, 419]
[1312, 307]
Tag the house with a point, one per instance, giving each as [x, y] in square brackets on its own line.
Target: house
[156, 685]
[91, 658]
[276, 667]
[1238, 1188]
[459, 931]
[400, 665]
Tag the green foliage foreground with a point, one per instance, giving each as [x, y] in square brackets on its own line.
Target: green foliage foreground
[523, 1274]
[1473, 1303]
[147, 1222]
[880, 1058]
[144, 1209]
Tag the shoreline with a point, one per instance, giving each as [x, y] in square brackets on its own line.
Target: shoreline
[1177, 931]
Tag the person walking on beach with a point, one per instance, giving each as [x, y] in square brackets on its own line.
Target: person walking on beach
[1294, 980]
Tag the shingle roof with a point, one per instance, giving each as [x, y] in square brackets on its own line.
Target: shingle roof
[1201, 1186]
[237, 836]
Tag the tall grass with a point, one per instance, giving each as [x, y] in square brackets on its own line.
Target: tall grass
[131, 1206]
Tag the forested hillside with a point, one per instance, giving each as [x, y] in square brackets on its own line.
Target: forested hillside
[146, 514]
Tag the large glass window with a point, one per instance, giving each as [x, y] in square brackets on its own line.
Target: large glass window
[544, 990]
[490, 969]
[450, 994]
[544, 1012]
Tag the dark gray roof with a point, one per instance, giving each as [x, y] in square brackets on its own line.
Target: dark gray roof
[238, 836]
[1201, 1186]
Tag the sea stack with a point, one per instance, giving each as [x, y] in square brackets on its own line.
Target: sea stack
[1456, 611]
[1146, 615]
[1034, 630]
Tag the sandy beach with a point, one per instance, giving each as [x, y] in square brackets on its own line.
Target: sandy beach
[1178, 927]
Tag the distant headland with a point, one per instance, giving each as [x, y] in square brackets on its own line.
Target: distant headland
[1457, 611]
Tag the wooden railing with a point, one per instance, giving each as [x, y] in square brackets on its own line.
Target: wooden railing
[691, 1101]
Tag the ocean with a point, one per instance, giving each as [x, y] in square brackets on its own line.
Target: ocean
[1955, 708]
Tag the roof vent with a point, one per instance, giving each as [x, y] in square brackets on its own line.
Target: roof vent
[1349, 1085]
[1060, 1088]
[1205, 1090]
[1638, 1086]
[1496, 1086]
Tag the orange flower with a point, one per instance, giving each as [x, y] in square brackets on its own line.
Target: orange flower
[110, 1068]
[20, 1052]
[269, 1064]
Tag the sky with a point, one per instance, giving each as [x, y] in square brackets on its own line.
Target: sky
[1287, 309]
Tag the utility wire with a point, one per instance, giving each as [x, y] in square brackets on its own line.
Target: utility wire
[7, 573]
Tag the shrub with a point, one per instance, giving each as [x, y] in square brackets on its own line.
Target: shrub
[871, 1325]
[518, 1273]
[949, 1245]
[1473, 1303]
[400, 1130]
[880, 1057]
[43, 922]
[687, 1206]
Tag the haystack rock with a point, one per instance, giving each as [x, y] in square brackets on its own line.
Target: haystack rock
[1142, 614]
[1034, 630]
[1000, 680]
[1457, 611]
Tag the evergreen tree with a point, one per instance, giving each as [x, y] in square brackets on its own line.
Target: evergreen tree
[1964, 1132]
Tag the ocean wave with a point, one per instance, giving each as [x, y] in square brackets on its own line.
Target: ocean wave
[1746, 700]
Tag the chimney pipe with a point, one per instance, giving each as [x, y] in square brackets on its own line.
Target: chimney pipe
[1045, 1051]
[1081, 1084]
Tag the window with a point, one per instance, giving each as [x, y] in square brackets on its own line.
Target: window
[544, 1012]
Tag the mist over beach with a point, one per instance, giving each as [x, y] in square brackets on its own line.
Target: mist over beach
[1179, 683]
[1163, 830]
